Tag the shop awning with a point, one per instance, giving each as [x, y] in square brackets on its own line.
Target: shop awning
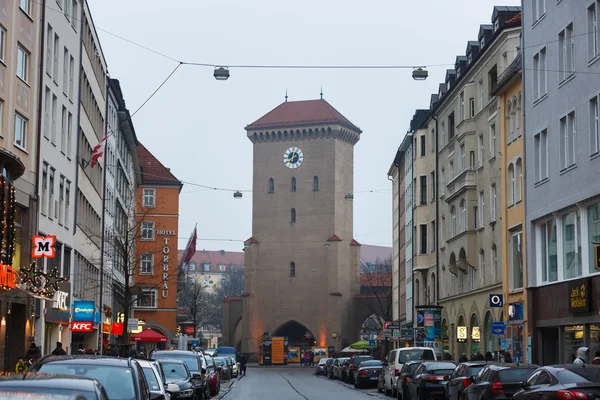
[148, 336]
[362, 345]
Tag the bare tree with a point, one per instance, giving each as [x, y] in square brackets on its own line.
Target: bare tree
[232, 284]
[200, 301]
[376, 289]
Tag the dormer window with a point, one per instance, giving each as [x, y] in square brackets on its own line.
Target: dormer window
[457, 73]
[448, 85]
[496, 25]
[469, 58]
[482, 43]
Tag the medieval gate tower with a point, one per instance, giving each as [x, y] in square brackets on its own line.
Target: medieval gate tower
[301, 263]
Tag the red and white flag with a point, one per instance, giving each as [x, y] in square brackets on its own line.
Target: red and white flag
[190, 250]
[98, 151]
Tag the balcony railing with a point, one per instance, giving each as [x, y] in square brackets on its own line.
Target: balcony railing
[465, 180]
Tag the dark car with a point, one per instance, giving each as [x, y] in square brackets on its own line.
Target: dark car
[428, 380]
[404, 376]
[498, 381]
[562, 382]
[353, 366]
[367, 373]
[126, 372]
[196, 363]
[178, 373]
[214, 375]
[338, 369]
[328, 367]
[226, 368]
[26, 385]
[461, 378]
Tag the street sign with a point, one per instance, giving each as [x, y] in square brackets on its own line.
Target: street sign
[372, 343]
[496, 300]
[387, 333]
[406, 333]
[194, 343]
[396, 334]
[393, 326]
[498, 328]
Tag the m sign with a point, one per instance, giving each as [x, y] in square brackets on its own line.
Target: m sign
[81, 326]
[43, 246]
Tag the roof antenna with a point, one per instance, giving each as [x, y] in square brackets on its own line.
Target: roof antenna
[321, 92]
[286, 96]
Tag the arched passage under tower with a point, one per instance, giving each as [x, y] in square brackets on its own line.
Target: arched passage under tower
[298, 335]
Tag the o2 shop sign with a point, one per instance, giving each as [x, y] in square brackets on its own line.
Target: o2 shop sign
[81, 326]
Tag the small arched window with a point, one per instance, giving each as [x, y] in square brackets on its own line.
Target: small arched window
[292, 269]
[433, 292]
[453, 213]
[293, 215]
[316, 184]
[512, 184]
[482, 266]
[519, 179]
[510, 118]
[293, 184]
[463, 215]
[271, 185]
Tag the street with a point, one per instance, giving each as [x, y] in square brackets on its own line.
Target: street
[293, 383]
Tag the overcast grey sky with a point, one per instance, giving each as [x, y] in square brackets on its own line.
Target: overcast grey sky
[195, 124]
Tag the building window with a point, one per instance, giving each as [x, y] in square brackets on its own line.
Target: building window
[423, 179]
[423, 247]
[147, 264]
[462, 106]
[293, 215]
[473, 278]
[566, 56]
[293, 184]
[567, 142]
[463, 215]
[571, 244]
[292, 269]
[74, 13]
[511, 183]
[539, 75]
[492, 140]
[472, 160]
[519, 180]
[594, 126]
[192, 266]
[149, 198]
[432, 141]
[433, 233]
[593, 214]
[315, 184]
[44, 187]
[148, 230]
[592, 21]
[480, 148]
[417, 292]
[50, 36]
[494, 263]
[25, 5]
[432, 181]
[493, 200]
[206, 267]
[482, 265]
[472, 107]
[54, 112]
[65, 82]
[541, 155]
[475, 217]
[451, 126]
[443, 231]
[61, 199]
[510, 122]
[453, 215]
[451, 168]
[67, 203]
[415, 148]
[22, 63]
[51, 206]
[538, 9]
[147, 299]
[271, 185]
[55, 56]
[480, 91]
[549, 251]
[423, 149]
[482, 208]
[222, 267]
[2, 44]
[462, 158]
[517, 261]
[71, 76]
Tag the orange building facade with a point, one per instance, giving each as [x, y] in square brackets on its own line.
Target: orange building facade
[158, 221]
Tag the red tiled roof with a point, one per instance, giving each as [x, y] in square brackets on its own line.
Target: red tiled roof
[355, 243]
[515, 19]
[305, 112]
[334, 238]
[216, 258]
[153, 171]
[251, 240]
[376, 279]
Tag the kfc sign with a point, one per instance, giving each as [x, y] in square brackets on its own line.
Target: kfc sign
[81, 326]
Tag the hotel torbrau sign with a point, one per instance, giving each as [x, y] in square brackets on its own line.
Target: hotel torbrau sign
[580, 296]
[165, 272]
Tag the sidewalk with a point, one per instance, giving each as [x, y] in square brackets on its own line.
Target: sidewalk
[292, 365]
[226, 386]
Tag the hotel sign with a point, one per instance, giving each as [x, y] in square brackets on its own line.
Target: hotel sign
[580, 296]
[165, 272]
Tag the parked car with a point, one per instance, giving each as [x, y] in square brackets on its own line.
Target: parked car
[234, 366]
[337, 368]
[461, 378]
[499, 381]
[406, 375]
[367, 373]
[156, 380]
[328, 366]
[562, 382]
[353, 366]
[214, 376]
[398, 357]
[211, 352]
[62, 386]
[226, 368]
[195, 361]
[320, 368]
[428, 380]
[127, 372]
[177, 372]
[227, 351]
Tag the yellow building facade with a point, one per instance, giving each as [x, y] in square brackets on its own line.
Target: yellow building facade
[511, 206]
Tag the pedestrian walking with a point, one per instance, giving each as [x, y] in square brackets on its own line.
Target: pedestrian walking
[311, 358]
[582, 355]
[33, 353]
[301, 358]
[306, 359]
[59, 351]
[243, 361]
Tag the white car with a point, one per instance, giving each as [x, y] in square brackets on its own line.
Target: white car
[396, 359]
[155, 381]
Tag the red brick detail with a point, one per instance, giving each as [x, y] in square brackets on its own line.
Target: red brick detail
[231, 298]
[338, 294]
[334, 238]
[251, 240]
[355, 243]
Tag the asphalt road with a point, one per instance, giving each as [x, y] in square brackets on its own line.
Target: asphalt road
[293, 383]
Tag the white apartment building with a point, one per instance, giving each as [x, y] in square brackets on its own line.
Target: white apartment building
[88, 213]
[58, 154]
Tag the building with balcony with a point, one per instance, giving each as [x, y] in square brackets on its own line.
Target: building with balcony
[512, 209]
[469, 158]
[58, 155]
[561, 75]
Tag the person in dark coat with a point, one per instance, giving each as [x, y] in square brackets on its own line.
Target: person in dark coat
[59, 351]
[312, 358]
[33, 353]
[507, 357]
[462, 358]
[489, 356]
[243, 361]
[114, 351]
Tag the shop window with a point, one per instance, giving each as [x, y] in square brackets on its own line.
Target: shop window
[573, 339]
[571, 243]
[594, 340]
[593, 232]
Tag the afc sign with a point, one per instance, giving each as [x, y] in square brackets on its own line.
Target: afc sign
[81, 326]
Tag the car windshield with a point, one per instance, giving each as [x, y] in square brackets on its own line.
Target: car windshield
[191, 360]
[371, 363]
[578, 376]
[358, 360]
[174, 371]
[475, 369]
[152, 379]
[106, 374]
[415, 354]
[515, 374]
[16, 392]
[323, 361]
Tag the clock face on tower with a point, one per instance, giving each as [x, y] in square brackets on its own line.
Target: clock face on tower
[293, 157]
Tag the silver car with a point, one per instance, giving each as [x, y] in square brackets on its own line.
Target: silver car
[320, 368]
[156, 380]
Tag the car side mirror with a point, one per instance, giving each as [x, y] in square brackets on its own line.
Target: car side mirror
[172, 388]
[157, 396]
[472, 378]
[524, 385]
[198, 376]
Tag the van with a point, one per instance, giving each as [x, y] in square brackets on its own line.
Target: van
[225, 351]
[396, 359]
